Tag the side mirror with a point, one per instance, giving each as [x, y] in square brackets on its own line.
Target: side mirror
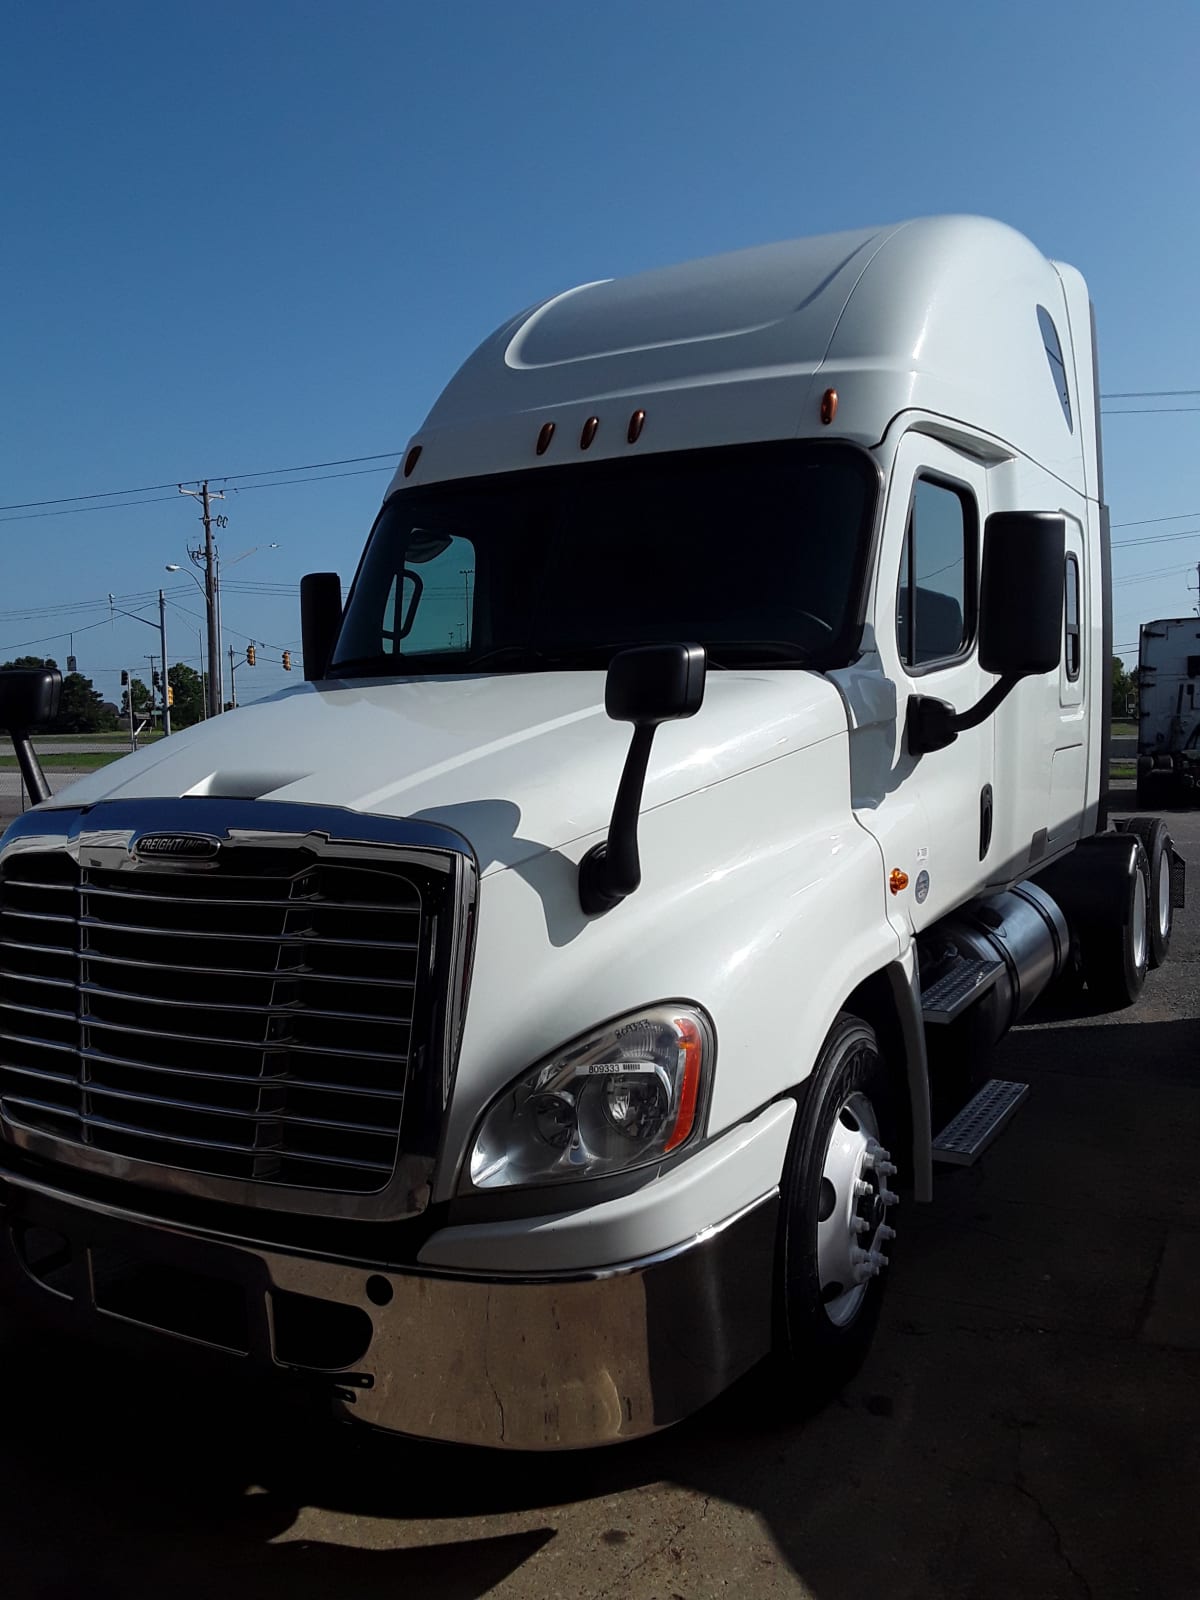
[29, 696]
[646, 686]
[1021, 593]
[656, 683]
[1020, 620]
[320, 619]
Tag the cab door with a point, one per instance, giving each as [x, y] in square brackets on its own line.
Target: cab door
[932, 814]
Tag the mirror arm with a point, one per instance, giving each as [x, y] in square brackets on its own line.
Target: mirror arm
[933, 724]
[611, 871]
[31, 767]
[980, 712]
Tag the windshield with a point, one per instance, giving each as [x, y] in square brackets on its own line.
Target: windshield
[757, 552]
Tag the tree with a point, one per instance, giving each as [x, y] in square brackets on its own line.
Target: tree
[81, 709]
[1124, 690]
[141, 700]
[189, 695]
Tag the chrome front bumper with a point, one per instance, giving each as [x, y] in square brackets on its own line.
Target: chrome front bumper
[530, 1363]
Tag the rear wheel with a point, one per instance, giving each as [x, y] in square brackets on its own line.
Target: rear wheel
[837, 1202]
[1116, 945]
[1156, 840]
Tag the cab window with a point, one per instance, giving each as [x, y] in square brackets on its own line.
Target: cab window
[935, 608]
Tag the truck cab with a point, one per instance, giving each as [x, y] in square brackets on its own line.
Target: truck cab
[532, 1022]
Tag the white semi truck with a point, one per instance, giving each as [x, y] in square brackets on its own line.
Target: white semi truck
[1168, 760]
[531, 1022]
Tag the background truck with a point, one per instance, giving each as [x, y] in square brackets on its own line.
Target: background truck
[529, 1024]
[1168, 764]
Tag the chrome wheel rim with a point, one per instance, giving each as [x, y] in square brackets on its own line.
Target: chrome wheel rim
[853, 1203]
[1164, 895]
[1138, 925]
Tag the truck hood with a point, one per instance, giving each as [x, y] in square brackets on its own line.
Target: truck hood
[517, 764]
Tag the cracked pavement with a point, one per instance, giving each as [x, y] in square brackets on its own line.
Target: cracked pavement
[1026, 1424]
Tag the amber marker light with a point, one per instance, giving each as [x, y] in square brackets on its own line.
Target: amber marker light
[411, 459]
[636, 423]
[589, 432]
[829, 405]
[898, 880]
[691, 1048]
[544, 438]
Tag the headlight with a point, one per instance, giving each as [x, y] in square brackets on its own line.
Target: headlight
[628, 1094]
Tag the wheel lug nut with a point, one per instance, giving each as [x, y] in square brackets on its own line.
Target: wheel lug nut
[886, 1233]
[889, 1197]
[877, 1259]
[861, 1188]
[886, 1169]
[860, 1224]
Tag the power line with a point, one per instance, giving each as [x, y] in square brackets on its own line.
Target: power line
[323, 477]
[1145, 411]
[161, 499]
[1146, 394]
[1144, 522]
[1156, 538]
[213, 477]
[49, 638]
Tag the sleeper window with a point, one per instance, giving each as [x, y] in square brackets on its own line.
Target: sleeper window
[1072, 654]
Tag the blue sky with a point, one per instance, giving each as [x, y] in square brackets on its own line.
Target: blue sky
[240, 237]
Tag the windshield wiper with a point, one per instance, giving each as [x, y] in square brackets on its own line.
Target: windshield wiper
[587, 655]
[364, 667]
[758, 653]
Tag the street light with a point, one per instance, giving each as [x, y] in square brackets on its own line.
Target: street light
[212, 611]
[162, 636]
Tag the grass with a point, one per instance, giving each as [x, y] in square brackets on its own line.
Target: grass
[121, 737]
[85, 761]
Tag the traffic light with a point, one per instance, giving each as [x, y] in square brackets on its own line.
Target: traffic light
[170, 694]
[250, 655]
[124, 679]
[287, 660]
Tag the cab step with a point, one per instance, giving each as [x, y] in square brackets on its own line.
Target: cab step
[986, 1114]
[954, 991]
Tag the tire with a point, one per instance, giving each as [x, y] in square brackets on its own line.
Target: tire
[1156, 840]
[833, 1241]
[1116, 946]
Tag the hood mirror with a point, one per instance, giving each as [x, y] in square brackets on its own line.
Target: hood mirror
[29, 698]
[646, 686]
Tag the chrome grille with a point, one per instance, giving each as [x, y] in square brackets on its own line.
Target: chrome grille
[252, 1024]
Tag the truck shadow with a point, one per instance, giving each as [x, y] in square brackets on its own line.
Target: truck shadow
[1012, 1400]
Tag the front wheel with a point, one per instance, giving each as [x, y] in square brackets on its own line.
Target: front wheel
[837, 1206]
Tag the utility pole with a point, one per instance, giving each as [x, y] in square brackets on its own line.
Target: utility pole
[232, 682]
[162, 635]
[211, 593]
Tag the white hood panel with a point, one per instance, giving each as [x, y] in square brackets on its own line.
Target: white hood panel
[517, 764]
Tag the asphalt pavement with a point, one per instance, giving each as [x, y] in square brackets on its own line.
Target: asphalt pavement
[1026, 1425]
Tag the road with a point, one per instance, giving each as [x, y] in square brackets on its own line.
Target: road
[1026, 1424]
